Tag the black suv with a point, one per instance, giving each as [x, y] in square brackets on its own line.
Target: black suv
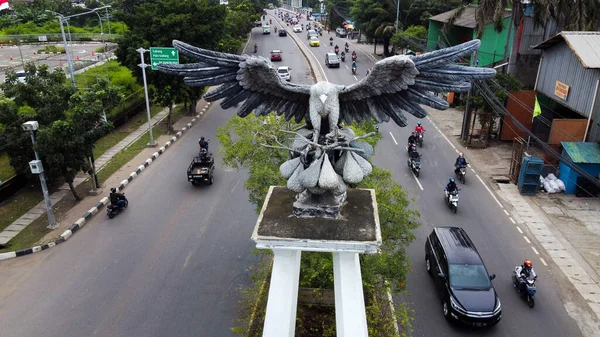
[459, 273]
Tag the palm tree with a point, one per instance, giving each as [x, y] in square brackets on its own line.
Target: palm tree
[385, 31]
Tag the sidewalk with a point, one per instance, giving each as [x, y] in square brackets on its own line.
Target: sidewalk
[40, 209]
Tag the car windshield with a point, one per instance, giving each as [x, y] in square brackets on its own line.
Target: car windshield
[314, 38]
[283, 71]
[275, 53]
[469, 276]
[332, 57]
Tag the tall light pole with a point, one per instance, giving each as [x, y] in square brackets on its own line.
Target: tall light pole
[37, 168]
[143, 65]
[397, 15]
[61, 20]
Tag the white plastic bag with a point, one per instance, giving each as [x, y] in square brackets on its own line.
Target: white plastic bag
[551, 177]
[561, 185]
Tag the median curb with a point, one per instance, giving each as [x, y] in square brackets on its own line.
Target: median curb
[104, 201]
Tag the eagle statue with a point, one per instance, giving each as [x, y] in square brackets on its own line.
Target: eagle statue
[328, 156]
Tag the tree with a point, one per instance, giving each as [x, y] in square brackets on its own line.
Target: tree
[242, 139]
[413, 37]
[43, 96]
[385, 31]
[506, 83]
[68, 121]
[158, 23]
[371, 14]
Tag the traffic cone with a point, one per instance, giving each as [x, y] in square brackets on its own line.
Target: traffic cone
[11, 57]
[60, 63]
[92, 53]
[77, 58]
[34, 53]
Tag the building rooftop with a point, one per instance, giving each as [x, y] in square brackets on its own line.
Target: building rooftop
[466, 18]
[585, 45]
[582, 152]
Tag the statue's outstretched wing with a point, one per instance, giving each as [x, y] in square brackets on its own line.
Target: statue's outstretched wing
[398, 84]
[253, 79]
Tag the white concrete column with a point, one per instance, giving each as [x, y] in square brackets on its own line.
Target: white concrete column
[350, 312]
[280, 318]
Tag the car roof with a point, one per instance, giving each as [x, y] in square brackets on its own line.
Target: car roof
[283, 67]
[458, 246]
[276, 51]
[331, 54]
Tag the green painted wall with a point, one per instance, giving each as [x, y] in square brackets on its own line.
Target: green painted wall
[492, 44]
[432, 34]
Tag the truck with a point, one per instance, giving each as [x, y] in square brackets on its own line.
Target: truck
[201, 170]
[266, 29]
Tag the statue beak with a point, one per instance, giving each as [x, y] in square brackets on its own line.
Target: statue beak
[323, 98]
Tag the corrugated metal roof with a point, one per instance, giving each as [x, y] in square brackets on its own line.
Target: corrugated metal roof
[585, 45]
[466, 19]
[582, 152]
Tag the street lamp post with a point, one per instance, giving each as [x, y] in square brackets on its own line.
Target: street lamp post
[37, 168]
[143, 65]
[61, 20]
[397, 15]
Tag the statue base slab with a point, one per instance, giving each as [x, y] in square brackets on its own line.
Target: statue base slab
[328, 206]
[356, 230]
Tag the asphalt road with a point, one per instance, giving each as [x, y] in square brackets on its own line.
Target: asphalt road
[83, 51]
[170, 265]
[496, 237]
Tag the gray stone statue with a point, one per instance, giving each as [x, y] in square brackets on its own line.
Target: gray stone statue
[327, 157]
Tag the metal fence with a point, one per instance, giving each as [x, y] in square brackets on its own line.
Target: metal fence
[56, 37]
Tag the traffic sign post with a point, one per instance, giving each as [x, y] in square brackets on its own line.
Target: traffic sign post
[163, 55]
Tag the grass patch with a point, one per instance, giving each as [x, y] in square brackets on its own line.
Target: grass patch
[28, 237]
[124, 156]
[117, 135]
[19, 204]
[6, 171]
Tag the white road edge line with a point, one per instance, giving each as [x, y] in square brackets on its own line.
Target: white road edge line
[355, 78]
[506, 212]
[519, 229]
[513, 221]
[488, 189]
[417, 179]
[393, 138]
[345, 65]
[526, 239]
[535, 250]
[543, 262]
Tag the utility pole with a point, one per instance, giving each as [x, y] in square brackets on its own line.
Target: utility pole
[397, 15]
[37, 168]
[143, 66]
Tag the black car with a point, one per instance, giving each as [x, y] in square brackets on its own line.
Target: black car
[458, 271]
[282, 32]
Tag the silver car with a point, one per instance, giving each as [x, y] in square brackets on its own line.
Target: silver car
[332, 60]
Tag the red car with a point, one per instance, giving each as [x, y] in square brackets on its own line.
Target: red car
[276, 55]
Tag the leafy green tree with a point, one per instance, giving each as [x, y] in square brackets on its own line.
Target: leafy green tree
[68, 121]
[413, 37]
[506, 83]
[156, 24]
[242, 140]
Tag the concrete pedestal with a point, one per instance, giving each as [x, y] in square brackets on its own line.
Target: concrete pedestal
[356, 231]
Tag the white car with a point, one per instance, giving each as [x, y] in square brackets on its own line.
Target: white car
[284, 73]
[297, 29]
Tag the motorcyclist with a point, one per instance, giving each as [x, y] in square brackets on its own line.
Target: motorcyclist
[419, 127]
[331, 41]
[270, 21]
[116, 198]
[203, 143]
[343, 55]
[275, 29]
[525, 272]
[461, 161]
[412, 139]
[451, 187]
[337, 49]
[255, 47]
[347, 46]
[414, 154]
[353, 66]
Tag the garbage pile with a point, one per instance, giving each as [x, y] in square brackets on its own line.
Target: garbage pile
[552, 184]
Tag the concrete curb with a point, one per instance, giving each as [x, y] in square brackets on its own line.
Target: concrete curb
[104, 201]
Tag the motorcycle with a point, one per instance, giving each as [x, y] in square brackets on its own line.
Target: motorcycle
[461, 172]
[255, 49]
[420, 138]
[331, 43]
[337, 50]
[112, 210]
[353, 57]
[353, 70]
[275, 29]
[415, 165]
[347, 49]
[452, 200]
[343, 57]
[529, 293]
[321, 32]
